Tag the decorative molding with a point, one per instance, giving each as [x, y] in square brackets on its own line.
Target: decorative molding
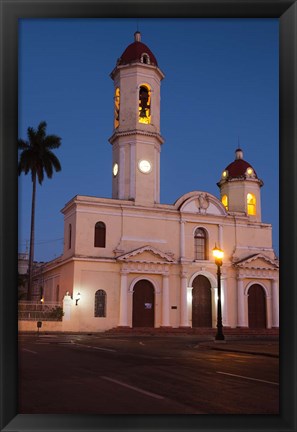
[267, 262]
[202, 202]
[206, 203]
[146, 268]
[136, 132]
[156, 252]
[249, 273]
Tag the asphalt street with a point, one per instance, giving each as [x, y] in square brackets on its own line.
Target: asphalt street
[101, 374]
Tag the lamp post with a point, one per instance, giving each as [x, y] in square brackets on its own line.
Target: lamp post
[218, 255]
[77, 298]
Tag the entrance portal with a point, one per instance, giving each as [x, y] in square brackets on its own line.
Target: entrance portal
[201, 302]
[143, 304]
[257, 307]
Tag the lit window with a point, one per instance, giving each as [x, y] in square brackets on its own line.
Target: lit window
[224, 174]
[251, 204]
[144, 105]
[225, 201]
[117, 108]
[200, 243]
[100, 304]
[100, 235]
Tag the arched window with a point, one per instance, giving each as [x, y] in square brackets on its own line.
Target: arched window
[144, 104]
[225, 201]
[100, 304]
[200, 244]
[69, 236]
[251, 204]
[100, 235]
[145, 58]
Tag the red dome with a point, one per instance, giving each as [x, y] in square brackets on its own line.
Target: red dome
[134, 52]
[238, 168]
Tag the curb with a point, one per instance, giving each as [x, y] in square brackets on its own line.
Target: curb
[243, 351]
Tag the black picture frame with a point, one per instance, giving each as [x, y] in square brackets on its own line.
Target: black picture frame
[11, 12]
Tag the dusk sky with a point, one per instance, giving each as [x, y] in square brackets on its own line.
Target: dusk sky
[220, 91]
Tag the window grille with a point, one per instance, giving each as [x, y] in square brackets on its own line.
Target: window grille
[100, 304]
[200, 242]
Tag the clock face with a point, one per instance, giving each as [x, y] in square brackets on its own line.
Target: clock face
[144, 166]
[115, 169]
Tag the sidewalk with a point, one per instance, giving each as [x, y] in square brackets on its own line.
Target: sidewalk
[265, 348]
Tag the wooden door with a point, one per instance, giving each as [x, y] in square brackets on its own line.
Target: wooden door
[143, 304]
[201, 302]
[257, 307]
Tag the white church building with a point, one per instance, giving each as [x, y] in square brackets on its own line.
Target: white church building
[130, 261]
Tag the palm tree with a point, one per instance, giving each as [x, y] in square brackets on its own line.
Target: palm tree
[37, 157]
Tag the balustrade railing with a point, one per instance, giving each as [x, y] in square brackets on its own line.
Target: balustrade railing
[38, 311]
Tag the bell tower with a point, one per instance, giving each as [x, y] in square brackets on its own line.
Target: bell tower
[136, 140]
[240, 188]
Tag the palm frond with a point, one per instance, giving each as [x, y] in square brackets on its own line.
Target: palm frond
[31, 133]
[48, 167]
[52, 141]
[55, 161]
[40, 173]
[22, 145]
[41, 131]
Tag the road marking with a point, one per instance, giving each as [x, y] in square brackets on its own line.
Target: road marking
[133, 388]
[248, 378]
[33, 352]
[93, 347]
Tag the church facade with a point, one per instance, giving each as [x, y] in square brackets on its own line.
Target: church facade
[130, 261]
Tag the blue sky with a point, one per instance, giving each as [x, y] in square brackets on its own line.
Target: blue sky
[220, 90]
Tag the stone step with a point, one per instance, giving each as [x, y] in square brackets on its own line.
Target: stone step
[194, 331]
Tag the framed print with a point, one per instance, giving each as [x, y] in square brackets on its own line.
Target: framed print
[129, 269]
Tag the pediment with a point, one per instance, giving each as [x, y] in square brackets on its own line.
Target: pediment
[200, 203]
[146, 254]
[257, 261]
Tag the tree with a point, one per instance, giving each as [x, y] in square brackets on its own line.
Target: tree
[38, 159]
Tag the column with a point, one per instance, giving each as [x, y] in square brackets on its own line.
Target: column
[165, 301]
[275, 303]
[221, 237]
[224, 296]
[121, 183]
[241, 319]
[182, 239]
[157, 175]
[67, 303]
[268, 311]
[123, 320]
[132, 170]
[184, 321]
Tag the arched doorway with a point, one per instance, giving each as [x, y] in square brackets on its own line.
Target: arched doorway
[143, 304]
[201, 302]
[257, 307]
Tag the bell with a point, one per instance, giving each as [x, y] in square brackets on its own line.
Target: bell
[142, 112]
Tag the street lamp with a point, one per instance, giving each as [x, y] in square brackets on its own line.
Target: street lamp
[218, 255]
[77, 298]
